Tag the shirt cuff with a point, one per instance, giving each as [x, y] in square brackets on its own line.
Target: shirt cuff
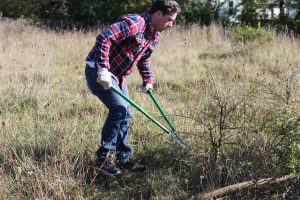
[149, 80]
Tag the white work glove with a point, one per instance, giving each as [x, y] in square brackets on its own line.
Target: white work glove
[147, 87]
[104, 78]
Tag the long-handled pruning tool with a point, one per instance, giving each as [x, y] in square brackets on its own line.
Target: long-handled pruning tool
[171, 132]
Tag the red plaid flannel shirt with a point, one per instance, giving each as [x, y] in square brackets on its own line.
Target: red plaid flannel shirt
[126, 43]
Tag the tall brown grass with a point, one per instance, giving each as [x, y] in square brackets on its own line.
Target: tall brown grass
[50, 122]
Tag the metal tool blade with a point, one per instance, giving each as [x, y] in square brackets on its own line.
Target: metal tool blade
[178, 139]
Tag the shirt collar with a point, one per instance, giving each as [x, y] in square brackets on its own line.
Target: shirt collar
[148, 23]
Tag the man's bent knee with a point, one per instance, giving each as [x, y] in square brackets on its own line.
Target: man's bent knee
[120, 112]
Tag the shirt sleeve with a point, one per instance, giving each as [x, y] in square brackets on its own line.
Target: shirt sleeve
[123, 28]
[144, 64]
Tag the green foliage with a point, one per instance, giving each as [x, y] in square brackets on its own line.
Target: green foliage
[195, 13]
[249, 14]
[17, 9]
[297, 25]
[57, 9]
[88, 12]
[287, 127]
[91, 11]
[247, 34]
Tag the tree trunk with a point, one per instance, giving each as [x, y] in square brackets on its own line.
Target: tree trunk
[281, 9]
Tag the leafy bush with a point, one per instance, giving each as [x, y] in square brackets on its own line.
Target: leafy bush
[297, 25]
[246, 34]
[287, 129]
[194, 13]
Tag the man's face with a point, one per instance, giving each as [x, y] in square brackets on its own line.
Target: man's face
[164, 21]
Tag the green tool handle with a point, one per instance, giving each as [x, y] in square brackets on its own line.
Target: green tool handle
[140, 109]
[161, 110]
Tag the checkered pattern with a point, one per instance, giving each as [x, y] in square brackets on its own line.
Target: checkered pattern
[127, 43]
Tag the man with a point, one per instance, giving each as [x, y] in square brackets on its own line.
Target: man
[126, 43]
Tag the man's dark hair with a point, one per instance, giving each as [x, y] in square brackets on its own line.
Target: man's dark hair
[166, 6]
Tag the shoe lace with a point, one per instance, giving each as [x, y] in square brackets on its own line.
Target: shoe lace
[109, 161]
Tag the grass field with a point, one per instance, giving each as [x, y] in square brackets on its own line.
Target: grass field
[236, 106]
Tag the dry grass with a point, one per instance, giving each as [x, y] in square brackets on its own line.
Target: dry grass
[51, 122]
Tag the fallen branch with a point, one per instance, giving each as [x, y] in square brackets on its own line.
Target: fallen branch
[240, 187]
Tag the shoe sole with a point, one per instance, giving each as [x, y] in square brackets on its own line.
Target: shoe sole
[109, 174]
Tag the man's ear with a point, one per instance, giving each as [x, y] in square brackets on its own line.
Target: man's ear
[159, 13]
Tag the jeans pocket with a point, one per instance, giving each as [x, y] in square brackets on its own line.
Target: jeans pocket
[91, 78]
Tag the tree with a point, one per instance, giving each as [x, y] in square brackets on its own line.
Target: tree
[88, 12]
[55, 9]
[281, 4]
[17, 8]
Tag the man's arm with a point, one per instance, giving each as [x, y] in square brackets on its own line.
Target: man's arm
[145, 70]
[144, 64]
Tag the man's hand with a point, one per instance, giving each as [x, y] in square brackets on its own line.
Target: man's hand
[104, 78]
[147, 87]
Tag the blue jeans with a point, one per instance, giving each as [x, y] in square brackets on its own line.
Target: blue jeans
[114, 133]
